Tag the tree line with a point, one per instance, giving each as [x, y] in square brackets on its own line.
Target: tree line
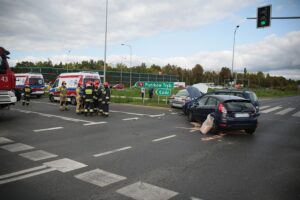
[195, 75]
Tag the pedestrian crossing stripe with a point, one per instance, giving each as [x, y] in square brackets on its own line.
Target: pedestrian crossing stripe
[285, 111]
[297, 114]
[271, 109]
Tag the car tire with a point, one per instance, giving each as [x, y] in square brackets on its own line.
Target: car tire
[73, 101]
[250, 131]
[190, 117]
[51, 98]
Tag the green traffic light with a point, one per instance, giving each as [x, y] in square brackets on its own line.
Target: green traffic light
[263, 22]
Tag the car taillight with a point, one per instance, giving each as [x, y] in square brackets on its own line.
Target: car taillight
[222, 108]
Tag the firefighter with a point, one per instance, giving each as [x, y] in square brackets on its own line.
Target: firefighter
[26, 94]
[105, 99]
[78, 99]
[63, 96]
[100, 95]
[96, 96]
[88, 96]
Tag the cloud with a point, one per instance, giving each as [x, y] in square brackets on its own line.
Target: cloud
[274, 55]
[72, 24]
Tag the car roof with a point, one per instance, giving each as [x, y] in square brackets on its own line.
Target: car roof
[226, 97]
[232, 90]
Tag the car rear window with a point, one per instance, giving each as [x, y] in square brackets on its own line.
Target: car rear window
[239, 106]
[182, 93]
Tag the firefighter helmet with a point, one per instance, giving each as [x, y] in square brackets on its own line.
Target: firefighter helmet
[63, 83]
[105, 84]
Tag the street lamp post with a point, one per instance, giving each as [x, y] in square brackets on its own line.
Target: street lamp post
[105, 42]
[69, 51]
[233, 52]
[130, 48]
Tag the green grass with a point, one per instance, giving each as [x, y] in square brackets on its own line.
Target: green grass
[275, 93]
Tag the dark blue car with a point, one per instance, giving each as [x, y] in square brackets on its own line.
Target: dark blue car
[229, 112]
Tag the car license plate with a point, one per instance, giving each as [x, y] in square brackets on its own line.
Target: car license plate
[241, 114]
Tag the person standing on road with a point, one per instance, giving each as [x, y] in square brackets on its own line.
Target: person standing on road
[106, 99]
[88, 96]
[95, 97]
[26, 94]
[151, 90]
[63, 90]
[143, 92]
[78, 99]
[100, 92]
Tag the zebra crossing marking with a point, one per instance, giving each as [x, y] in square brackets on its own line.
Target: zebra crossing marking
[17, 147]
[271, 109]
[285, 111]
[4, 140]
[37, 155]
[99, 177]
[297, 114]
[144, 191]
[65, 165]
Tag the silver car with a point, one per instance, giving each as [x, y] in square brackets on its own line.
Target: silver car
[178, 100]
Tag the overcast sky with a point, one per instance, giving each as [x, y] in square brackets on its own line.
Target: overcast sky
[179, 32]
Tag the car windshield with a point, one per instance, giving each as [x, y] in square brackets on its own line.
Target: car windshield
[182, 93]
[36, 81]
[239, 106]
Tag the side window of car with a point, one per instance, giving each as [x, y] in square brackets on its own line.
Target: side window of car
[202, 101]
[239, 95]
[212, 102]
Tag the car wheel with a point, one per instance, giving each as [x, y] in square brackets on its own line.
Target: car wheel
[191, 117]
[73, 100]
[250, 131]
[51, 98]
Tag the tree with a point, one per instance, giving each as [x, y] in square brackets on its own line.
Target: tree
[197, 73]
[224, 74]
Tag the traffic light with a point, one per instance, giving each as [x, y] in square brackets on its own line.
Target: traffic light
[263, 16]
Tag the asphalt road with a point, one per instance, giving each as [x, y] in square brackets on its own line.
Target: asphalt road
[146, 153]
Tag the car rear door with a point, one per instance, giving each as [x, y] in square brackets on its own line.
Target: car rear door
[209, 107]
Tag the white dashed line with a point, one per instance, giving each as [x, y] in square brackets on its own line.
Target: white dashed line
[128, 119]
[160, 115]
[163, 138]
[113, 151]
[94, 123]
[48, 129]
[129, 113]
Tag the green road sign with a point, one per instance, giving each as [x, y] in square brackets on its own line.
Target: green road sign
[163, 92]
[150, 84]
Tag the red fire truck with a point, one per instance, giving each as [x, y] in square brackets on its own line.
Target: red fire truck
[7, 81]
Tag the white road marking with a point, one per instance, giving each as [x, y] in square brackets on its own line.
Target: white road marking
[195, 198]
[50, 115]
[22, 172]
[47, 129]
[26, 176]
[100, 177]
[263, 107]
[129, 113]
[271, 109]
[145, 191]
[163, 138]
[297, 114]
[113, 151]
[37, 155]
[94, 123]
[159, 115]
[64, 165]
[16, 147]
[4, 140]
[128, 119]
[283, 112]
[173, 113]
